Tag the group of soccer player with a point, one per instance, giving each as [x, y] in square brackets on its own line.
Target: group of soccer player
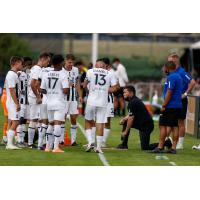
[45, 94]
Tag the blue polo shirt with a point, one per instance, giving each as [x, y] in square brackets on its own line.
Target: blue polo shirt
[186, 78]
[174, 83]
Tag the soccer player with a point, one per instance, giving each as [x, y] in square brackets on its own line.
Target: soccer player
[99, 80]
[74, 95]
[55, 84]
[110, 106]
[188, 85]
[12, 103]
[34, 96]
[171, 108]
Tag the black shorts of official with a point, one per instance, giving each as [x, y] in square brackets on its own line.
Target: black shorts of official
[169, 117]
[119, 92]
[183, 112]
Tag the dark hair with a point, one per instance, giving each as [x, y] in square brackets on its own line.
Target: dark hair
[44, 55]
[106, 60]
[130, 88]
[99, 59]
[78, 63]
[28, 61]
[170, 65]
[70, 57]
[57, 59]
[15, 59]
[116, 60]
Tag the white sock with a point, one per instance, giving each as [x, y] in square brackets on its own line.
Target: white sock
[10, 136]
[42, 132]
[57, 134]
[5, 138]
[31, 132]
[181, 140]
[93, 134]
[106, 133]
[73, 131]
[62, 133]
[49, 136]
[19, 133]
[99, 141]
[89, 135]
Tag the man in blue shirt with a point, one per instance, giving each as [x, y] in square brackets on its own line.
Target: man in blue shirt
[188, 85]
[171, 107]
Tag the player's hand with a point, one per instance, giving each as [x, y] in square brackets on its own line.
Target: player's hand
[162, 109]
[184, 95]
[80, 99]
[39, 100]
[122, 121]
[18, 107]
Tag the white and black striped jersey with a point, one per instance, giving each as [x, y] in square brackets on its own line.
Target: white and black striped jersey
[23, 88]
[73, 76]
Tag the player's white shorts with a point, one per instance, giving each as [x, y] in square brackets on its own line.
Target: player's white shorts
[25, 111]
[72, 108]
[34, 108]
[12, 112]
[43, 111]
[58, 115]
[96, 113]
[110, 110]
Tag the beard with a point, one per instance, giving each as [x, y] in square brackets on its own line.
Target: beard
[126, 98]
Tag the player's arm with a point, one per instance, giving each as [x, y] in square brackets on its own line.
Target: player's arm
[190, 87]
[65, 84]
[14, 97]
[78, 88]
[35, 85]
[130, 121]
[167, 99]
[113, 88]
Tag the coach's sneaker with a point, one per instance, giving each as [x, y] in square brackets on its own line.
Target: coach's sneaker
[58, 150]
[98, 150]
[89, 147]
[122, 146]
[12, 147]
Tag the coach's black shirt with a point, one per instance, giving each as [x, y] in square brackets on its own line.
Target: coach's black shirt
[142, 118]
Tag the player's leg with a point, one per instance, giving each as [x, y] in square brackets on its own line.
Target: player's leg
[5, 111]
[59, 117]
[122, 105]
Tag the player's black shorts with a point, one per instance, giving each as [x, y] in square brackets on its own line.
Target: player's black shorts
[169, 117]
[183, 112]
[119, 92]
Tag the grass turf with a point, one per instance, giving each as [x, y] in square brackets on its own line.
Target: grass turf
[76, 156]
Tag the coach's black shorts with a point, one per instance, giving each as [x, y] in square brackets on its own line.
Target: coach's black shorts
[169, 117]
[119, 92]
[183, 112]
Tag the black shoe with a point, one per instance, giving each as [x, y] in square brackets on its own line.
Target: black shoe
[62, 143]
[74, 144]
[157, 150]
[32, 146]
[172, 151]
[168, 143]
[41, 148]
[122, 146]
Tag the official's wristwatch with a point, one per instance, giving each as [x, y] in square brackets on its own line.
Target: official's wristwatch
[185, 94]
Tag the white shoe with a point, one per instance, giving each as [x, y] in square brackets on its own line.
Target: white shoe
[103, 145]
[179, 146]
[98, 150]
[12, 147]
[196, 147]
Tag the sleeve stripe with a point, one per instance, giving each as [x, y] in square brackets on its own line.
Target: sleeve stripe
[187, 77]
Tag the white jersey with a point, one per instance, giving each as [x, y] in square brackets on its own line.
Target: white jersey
[41, 76]
[100, 81]
[111, 95]
[12, 81]
[121, 75]
[73, 76]
[35, 72]
[23, 88]
[54, 82]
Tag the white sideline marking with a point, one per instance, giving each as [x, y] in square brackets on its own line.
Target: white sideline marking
[101, 156]
[173, 163]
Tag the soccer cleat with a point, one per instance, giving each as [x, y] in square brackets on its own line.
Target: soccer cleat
[89, 147]
[32, 146]
[12, 147]
[179, 146]
[157, 150]
[58, 150]
[172, 151]
[196, 147]
[3, 142]
[122, 146]
[74, 144]
[103, 145]
[20, 144]
[47, 150]
[62, 143]
[41, 148]
[98, 150]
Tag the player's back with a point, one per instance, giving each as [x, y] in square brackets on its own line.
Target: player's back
[54, 82]
[99, 82]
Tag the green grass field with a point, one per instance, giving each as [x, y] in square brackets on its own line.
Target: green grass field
[75, 156]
